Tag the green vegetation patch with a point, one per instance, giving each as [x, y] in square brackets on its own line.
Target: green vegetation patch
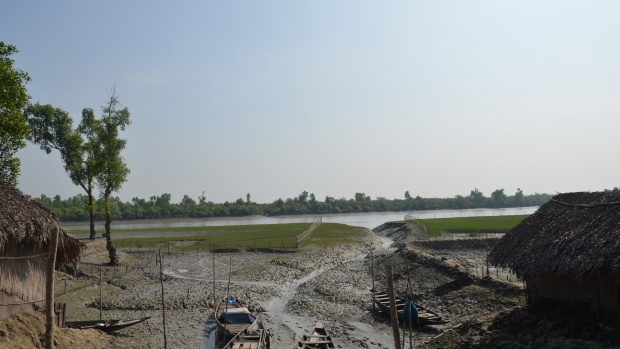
[492, 224]
[334, 234]
[227, 237]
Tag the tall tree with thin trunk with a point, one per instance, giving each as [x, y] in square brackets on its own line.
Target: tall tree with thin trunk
[52, 129]
[114, 170]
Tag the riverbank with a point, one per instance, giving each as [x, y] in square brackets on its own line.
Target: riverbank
[367, 220]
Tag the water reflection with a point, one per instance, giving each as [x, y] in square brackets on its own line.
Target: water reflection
[210, 336]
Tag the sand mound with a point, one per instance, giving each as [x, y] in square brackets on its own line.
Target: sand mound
[27, 331]
[94, 247]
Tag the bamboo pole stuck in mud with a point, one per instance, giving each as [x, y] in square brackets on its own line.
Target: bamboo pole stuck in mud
[163, 301]
[393, 311]
[49, 290]
[100, 303]
[226, 299]
[213, 255]
[372, 270]
[488, 273]
[229, 272]
[410, 331]
[410, 290]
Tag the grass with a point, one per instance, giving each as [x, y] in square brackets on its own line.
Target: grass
[258, 236]
[334, 234]
[227, 237]
[471, 224]
[199, 229]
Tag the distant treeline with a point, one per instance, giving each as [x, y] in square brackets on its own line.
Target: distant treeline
[74, 208]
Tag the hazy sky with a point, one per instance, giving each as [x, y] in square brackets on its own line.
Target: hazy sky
[333, 97]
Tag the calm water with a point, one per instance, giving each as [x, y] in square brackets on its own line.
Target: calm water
[367, 220]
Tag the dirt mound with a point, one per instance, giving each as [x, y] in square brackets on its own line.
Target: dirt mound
[94, 247]
[523, 328]
[27, 331]
[401, 232]
[542, 330]
[486, 244]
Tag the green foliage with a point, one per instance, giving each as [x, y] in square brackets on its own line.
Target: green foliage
[13, 100]
[52, 129]
[499, 198]
[113, 170]
[91, 153]
[333, 234]
[472, 224]
[162, 206]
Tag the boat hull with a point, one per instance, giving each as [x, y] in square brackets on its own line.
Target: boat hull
[425, 316]
[107, 326]
[254, 336]
[317, 339]
[228, 331]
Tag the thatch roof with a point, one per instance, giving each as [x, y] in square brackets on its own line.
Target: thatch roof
[574, 235]
[25, 220]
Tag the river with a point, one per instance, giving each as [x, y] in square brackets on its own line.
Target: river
[367, 220]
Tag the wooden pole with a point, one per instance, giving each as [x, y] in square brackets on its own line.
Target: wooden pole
[49, 291]
[229, 272]
[488, 273]
[163, 301]
[410, 284]
[213, 255]
[410, 330]
[393, 311]
[100, 304]
[227, 295]
[372, 269]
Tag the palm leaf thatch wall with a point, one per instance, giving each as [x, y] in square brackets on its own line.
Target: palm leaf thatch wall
[568, 252]
[25, 231]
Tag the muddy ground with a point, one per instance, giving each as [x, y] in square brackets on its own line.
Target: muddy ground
[293, 290]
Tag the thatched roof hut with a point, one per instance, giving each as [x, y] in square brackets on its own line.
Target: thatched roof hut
[27, 221]
[25, 231]
[573, 235]
[568, 250]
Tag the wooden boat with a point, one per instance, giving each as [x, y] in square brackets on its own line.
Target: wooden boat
[252, 337]
[232, 318]
[106, 326]
[318, 338]
[425, 316]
